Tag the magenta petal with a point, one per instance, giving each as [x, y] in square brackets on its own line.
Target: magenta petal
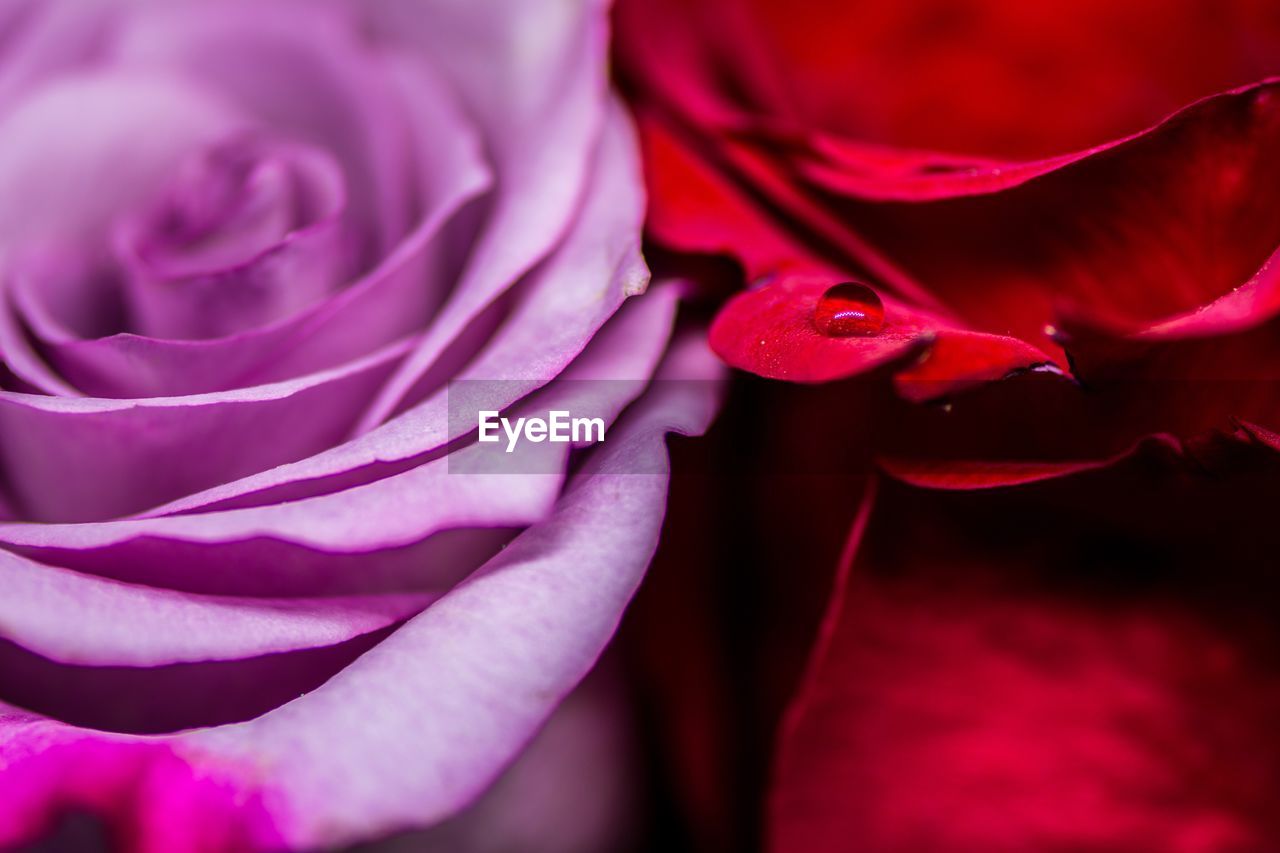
[42, 39]
[247, 234]
[128, 455]
[143, 792]
[542, 134]
[376, 521]
[298, 70]
[561, 305]
[249, 538]
[78, 619]
[44, 155]
[463, 686]
[460, 688]
[572, 790]
[384, 304]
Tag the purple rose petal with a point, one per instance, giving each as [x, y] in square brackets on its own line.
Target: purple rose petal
[253, 591]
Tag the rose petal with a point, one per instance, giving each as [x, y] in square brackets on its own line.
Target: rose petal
[247, 235]
[360, 537]
[770, 330]
[1107, 236]
[164, 698]
[140, 791]
[298, 70]
[41, 39]
[77, 619]
[559, 307]
[1059, 650]
[128, 455]
[1013, 261]
[465, 684]
[695, 208]
[1000, 82]
[45, 155]
[388, 302]
[570, 791]
[541, 133]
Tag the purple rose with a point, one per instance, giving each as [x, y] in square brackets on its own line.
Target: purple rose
[248, 249]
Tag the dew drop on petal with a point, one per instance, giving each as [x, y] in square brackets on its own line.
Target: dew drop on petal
[848, 310]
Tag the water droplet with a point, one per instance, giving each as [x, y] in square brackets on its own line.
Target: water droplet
[848, 310]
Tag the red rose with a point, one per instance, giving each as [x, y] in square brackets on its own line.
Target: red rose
[1059, 220]
[1071, 189]
[1085, 664]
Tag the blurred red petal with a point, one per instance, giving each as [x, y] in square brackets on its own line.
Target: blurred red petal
[694, 208]
[1075, 666]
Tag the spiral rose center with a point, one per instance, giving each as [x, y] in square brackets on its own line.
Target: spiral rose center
[235, 202]
[248, 232]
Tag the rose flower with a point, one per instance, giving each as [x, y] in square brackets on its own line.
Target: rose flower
[1025, 253]
[248, 248]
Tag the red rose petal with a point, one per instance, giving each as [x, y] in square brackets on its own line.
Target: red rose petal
[770, 331]
[693, 208]
[1053, 670]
